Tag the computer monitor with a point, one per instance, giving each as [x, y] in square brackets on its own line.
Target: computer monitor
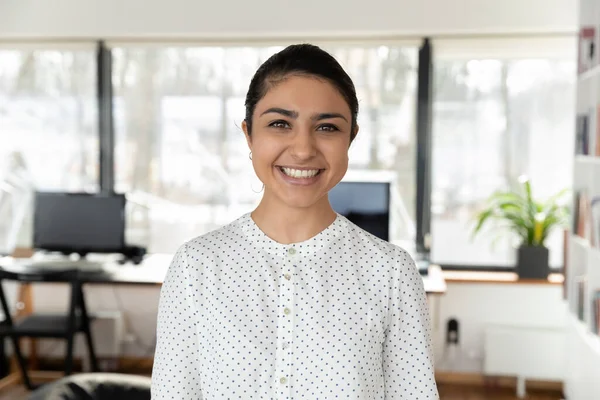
[367, 204]
[79, 222]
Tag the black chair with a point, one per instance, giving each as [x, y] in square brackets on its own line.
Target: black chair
[53, 326]
[98, 386]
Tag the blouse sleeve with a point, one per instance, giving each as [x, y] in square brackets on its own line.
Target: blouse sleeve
[408, 363]
[175, 373]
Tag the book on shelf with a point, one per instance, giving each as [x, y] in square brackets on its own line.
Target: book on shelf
[588, 48]
[581, 214]
[580, 288]
[586, 217]
[577, 211]
[565, 268]
[582, 135]
[594, 219]
[596, 312]
[597, 139]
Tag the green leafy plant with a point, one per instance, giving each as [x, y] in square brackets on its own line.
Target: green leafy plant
[531, 220]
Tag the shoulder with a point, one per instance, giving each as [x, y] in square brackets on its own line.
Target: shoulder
[209, 245]
[376, 248]
[371, 243]
[192, 256]
[219, 238]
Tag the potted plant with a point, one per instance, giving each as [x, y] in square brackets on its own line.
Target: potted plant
[531, 220]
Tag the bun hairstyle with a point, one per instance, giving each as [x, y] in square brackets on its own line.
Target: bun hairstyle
[300, 59]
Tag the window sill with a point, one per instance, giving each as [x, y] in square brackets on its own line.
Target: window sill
[499, 277]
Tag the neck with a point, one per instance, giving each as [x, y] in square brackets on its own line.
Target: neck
[298, 225]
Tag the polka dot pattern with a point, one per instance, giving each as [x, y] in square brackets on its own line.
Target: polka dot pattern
[341, 315]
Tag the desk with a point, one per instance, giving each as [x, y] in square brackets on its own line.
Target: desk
[150, 273]
[458, 276]
[435, 286]
[434, 282]
[153, 270]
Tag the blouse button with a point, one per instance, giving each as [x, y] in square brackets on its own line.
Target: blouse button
[291, 251]
[287, 276]
[283, 380]
[287, 311]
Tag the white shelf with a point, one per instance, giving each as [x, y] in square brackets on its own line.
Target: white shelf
[587, 159]
[583, 362]
[595, 251]
[587, 75]
[586, 174]
[588, 338]
[583, 262]
[580, 242]
[582, 269]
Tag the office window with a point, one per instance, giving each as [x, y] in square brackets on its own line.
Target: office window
[180, 152]
[497, 117]
[48, 129]
[48, 116]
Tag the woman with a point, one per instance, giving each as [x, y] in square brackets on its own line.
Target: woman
[293, 301]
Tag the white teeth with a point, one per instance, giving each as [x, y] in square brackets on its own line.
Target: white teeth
[300, 173]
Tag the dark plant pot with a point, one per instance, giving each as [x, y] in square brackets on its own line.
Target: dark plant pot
[532, 262]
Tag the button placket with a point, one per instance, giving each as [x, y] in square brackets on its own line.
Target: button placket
[286, 326]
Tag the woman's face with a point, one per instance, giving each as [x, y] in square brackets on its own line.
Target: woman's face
[299, 140]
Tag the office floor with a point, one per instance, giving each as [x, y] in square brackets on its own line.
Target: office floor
[447, 392]
[13, 394]
[459, 392]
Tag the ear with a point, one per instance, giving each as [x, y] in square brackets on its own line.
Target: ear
[354, 134]
[247, 134]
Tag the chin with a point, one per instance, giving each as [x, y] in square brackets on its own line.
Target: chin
[300, 202]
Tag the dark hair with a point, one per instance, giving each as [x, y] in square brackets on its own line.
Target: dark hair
[300, 59]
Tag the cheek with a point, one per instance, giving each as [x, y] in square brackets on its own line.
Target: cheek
[264, 154]
[337, 155]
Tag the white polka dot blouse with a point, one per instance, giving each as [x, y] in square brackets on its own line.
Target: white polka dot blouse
[342, 315]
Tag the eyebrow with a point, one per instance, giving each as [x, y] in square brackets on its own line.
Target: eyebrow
[294, 114]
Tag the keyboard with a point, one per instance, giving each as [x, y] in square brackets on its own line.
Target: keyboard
[58, 265]
[423, 267]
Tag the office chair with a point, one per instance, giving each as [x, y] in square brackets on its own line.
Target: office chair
[95, 386]
[51, 326]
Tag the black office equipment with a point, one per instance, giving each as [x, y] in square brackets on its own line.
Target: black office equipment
[97, 386]
[452, 332]
[55, 326]
[79, 223]
[135, 254]
[367, 204]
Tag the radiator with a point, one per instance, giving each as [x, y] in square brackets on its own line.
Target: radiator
[525, 352]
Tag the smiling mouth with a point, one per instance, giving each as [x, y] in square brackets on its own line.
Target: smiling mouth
[300, 173]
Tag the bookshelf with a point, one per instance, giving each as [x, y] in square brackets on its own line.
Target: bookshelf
[582, 263]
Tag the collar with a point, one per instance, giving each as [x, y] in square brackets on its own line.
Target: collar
[319, 242]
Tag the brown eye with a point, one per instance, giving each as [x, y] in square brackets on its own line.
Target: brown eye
[328, 128]
[279, 124]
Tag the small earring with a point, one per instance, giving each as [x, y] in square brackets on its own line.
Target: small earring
[261, 189]
[250, 156]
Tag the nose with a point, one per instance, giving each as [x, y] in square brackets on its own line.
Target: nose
[304, 145]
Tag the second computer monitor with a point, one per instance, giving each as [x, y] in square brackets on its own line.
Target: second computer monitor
[367, 204]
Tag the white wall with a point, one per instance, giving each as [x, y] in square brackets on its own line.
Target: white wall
[279, 18]
[476, 306]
